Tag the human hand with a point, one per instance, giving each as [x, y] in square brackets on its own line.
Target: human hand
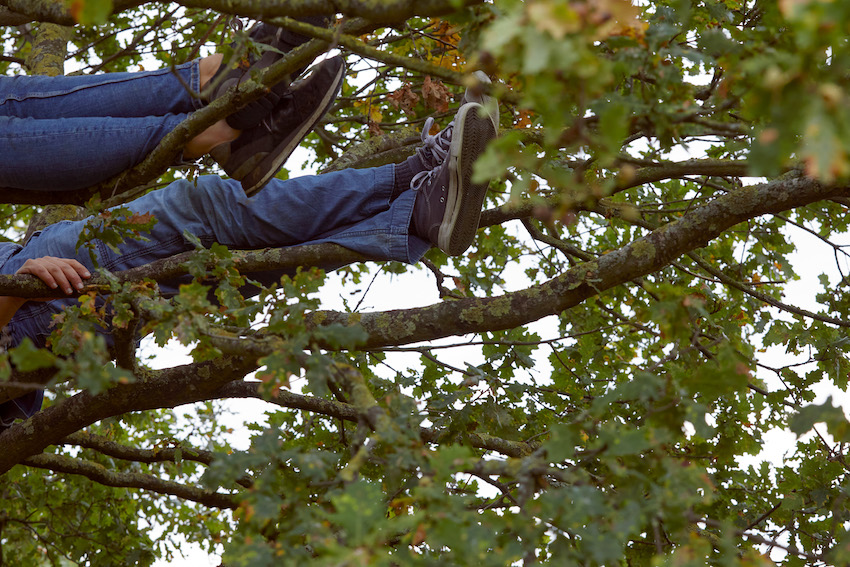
[64, 273]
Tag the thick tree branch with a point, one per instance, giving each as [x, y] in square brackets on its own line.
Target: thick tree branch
[23, 11]
[10, 18]
[386, 11]
[158, 389]
[643, 256]
[287, 260]
[741, 286]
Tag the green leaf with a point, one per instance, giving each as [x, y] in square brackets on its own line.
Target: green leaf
[90, 12]
[26, 357]
[836, 422]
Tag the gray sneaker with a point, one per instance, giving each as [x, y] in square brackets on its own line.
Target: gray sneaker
[448, 204]
[258, 154]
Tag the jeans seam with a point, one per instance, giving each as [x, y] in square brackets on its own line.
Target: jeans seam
[194, 81]
[103, 251]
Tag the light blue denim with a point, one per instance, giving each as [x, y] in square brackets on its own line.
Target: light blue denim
[70, 132]
[353, 208]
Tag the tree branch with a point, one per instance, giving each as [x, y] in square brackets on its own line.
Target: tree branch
[100, 474]
[164, 455]
[10, 18]
[23, 11]
[348, 412]
[157, 389]
[385, 11]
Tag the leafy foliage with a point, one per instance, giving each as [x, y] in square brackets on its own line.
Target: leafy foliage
[620, 430]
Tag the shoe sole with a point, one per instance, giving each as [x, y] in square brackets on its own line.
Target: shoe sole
[274, 160]
[473, 131]
[484, 100]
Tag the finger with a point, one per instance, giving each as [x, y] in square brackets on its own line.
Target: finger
[57, 272]
[38, 269]
[74, 272]
[76, 266]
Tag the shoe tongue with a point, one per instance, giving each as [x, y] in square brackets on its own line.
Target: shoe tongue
[429, 207]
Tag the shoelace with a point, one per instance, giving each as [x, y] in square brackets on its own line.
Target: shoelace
[434, 150]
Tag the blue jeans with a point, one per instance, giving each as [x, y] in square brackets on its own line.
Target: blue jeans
[352, 208]
[71, 132]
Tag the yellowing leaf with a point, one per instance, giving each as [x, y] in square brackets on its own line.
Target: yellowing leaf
[371, 110]
[556, 18]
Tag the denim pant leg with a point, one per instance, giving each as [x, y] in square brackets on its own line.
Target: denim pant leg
[67, 133]
[120, 95]
[351, 208]
[65, 154]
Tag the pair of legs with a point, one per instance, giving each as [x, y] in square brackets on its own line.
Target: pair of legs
[66, 133]
[393, 212]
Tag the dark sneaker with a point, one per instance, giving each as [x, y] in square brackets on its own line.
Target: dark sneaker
[448, 206]
[277, 42]
[258, 154]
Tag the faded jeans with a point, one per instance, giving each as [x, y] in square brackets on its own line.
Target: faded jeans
[71, 132]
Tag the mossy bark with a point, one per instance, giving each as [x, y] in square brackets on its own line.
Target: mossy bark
[47, 57]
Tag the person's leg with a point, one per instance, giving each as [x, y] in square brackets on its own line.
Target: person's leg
[126, 95]
[351, 207]
[103, 124]
[72, 153]
[367, 210]
[288, 212]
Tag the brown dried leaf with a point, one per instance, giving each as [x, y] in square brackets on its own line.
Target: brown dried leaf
[435, 94]
[405, 99]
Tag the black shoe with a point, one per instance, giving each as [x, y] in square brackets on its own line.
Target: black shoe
[448, 204]
[258, 153]
[279, 41]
